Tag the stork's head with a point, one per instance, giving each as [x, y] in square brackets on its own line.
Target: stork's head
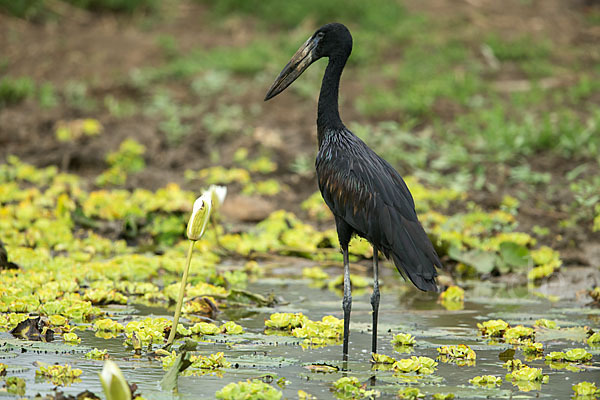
[331, 40]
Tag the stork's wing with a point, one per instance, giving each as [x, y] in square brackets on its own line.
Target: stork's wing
[370, 195]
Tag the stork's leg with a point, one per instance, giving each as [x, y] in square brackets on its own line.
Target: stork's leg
[375, 298]
[346, 302]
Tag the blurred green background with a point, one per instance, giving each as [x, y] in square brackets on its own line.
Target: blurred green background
[496, 101]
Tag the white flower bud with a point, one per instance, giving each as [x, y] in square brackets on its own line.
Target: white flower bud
[218, 194]
[113, 382]
[199, 217]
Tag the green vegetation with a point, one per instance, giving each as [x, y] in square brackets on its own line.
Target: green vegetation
[14, 91]
[496, 130]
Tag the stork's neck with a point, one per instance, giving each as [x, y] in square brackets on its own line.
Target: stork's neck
[328, 115]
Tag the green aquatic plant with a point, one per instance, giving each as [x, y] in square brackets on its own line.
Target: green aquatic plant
[513, 364]
[410, 393]
[71, 338]
[248, 390]
[382, 359]
[205, 328]
[329, 327]
[285, 321]
[527, 378]
[97, 354]
[578, 355]
[350, 387]
[212, 361]
[231, 328]
[586, 390]
[545, 323]
[108, 325]
[533, 349]
[486, 381]
[594, 339]
[493, 328]
[59, 375]
[418, 365]
[15, 385]
[519, 334]
[403, 339]
[460, 354]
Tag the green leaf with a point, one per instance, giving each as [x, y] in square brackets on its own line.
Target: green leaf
[182, 362]
[483, 261]
[515, 254]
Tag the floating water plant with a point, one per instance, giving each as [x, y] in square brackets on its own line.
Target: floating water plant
[574, 355]
[248, 390]
[460, 354]
[15, 385]
[350, 387]
[594, 339]
[513, 364]
[586, 390]
[545, 323]
[533, 349]
[205, 328]
[382, 359]
[285, 321]
[518, 334]
[527, 378]
[97, 354]
[493, 327]
[58, 374]
[410, 393]
[195, 230]
[403, 339]
[231, 328]
[212, 361]
[72, 338]
[418, 365]
[486, 381]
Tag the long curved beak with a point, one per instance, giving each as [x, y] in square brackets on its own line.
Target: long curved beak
[294, 68]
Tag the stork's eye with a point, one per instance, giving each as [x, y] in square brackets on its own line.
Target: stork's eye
[320, 35]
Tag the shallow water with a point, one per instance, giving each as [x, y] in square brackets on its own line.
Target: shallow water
[402, 309]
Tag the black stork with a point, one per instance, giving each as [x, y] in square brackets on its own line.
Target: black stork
[366, 195]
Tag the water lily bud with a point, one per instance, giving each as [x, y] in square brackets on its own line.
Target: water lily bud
[218, 194]
[200, 215]
[113, 382]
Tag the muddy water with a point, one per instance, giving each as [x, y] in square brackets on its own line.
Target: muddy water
[402, 310]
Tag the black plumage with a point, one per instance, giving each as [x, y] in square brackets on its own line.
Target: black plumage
[366, 195]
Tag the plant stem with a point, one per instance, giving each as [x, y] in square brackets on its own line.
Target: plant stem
[181, 294]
